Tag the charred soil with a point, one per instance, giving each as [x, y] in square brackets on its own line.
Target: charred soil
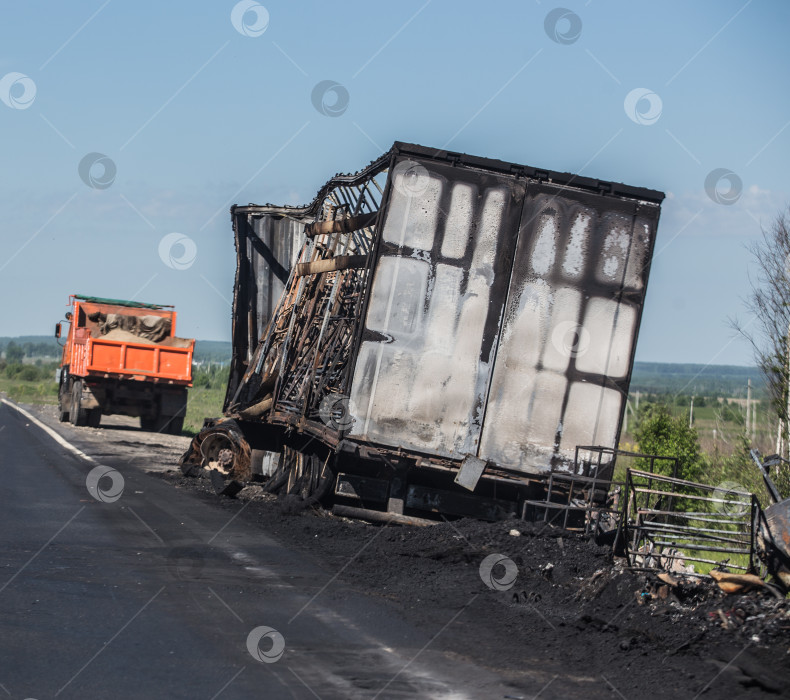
[572, 610]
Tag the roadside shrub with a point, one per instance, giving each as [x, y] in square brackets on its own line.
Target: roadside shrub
[14, 353]
[658, 432]
[201, 379]
[29, 373]
[12, 370]
[731, 414]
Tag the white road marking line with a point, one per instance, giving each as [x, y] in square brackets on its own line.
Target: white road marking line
[49, 431]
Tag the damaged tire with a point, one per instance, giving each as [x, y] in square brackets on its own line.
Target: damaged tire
[303, 479]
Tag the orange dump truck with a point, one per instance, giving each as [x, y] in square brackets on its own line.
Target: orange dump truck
[123, 357]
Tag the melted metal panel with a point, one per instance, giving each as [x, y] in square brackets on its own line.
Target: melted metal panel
[266, 248]
[423, 368]
[569, 329]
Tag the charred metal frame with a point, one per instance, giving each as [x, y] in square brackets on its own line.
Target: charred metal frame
[653, 520]
[272, 231]
[304, 353]
[300, 319]
[580, 498]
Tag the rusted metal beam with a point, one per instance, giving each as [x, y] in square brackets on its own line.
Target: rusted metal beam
[380, 517]
[258, 409]
[341, 262]
[352, 223]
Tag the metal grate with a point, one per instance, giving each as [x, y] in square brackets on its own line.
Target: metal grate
[668, 520]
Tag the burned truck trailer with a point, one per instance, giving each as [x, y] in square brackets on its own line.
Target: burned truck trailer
[436, 333]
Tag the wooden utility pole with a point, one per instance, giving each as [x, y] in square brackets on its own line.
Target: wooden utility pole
[749, 407]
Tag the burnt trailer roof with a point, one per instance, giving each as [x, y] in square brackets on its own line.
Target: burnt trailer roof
[445, 306]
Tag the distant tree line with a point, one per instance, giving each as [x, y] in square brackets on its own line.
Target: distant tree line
[699, 380]
[39, 372]
[15, 352]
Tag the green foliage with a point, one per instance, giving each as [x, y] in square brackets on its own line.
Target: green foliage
[211, 376]
[206, 395]
[30, 373]
[34, 345]
[29, 383]
[14, 353]
[200, 379]
[658, 432]
[732, 414]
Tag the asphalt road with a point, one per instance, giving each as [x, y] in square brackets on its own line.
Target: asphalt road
[153, 593]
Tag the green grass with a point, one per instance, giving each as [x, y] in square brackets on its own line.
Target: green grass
[705, 568]
[30, 392]
[203, 403]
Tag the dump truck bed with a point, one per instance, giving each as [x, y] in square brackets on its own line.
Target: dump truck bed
[131, 360]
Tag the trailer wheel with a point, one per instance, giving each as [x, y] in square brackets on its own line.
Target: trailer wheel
[300, 475]
[148, 424]
[77, 414]
[307, 476]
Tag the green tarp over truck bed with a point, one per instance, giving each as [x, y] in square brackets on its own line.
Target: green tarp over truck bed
[121, 302]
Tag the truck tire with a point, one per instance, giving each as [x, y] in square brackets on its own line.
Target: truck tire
[175, 426]
[94, 417]
[64, 402]
[77, 414]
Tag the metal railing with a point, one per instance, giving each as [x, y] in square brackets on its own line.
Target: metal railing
[668, 522]
[587, 497]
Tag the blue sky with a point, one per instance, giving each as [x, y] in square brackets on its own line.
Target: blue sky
[196, 115]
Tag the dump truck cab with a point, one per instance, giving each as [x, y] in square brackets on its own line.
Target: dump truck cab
[123, 357]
